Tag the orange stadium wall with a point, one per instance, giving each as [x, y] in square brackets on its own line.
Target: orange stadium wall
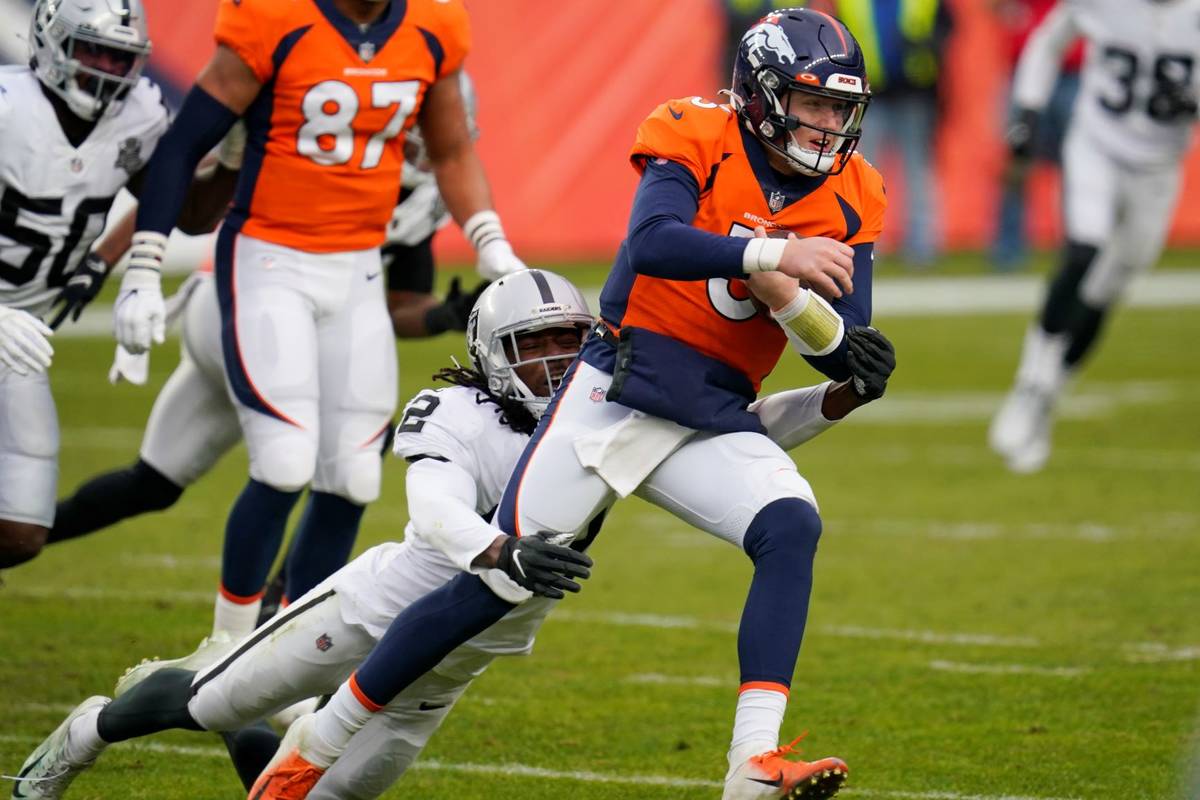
[563, 86]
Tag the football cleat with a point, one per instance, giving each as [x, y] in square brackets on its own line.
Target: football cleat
[1020, 431]
[289, 776]
[770, 775]
[48, 772]
[211, 650]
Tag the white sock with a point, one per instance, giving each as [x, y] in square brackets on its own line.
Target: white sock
[338, 721]
[756, 723]
[83, 738]
[237, 618]
[1042, 366]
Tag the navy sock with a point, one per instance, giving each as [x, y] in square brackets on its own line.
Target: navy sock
[252, 537]
[426, 632]
[782, 543]
[322, 543]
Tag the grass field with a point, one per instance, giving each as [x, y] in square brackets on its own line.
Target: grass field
[973, 634]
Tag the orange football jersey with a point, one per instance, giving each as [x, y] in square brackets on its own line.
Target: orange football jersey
[324, 136]
[716, 316]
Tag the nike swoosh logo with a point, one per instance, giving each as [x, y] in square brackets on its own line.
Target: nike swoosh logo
[674, 113]
[373, 276]
[516, 559]
[430, 706]
[776, 783]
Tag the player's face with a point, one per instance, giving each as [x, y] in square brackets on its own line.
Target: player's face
[550, 352]
[827, 113]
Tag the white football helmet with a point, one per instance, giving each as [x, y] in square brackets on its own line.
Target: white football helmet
[523, 302]
[89, 52]
[416, 159]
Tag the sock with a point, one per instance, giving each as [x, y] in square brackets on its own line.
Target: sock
[109, 498]
[756, 723]
[238, 616]
[253, 534]
[1042, 360]
[337, 722]
[323, 541]
[83, 739]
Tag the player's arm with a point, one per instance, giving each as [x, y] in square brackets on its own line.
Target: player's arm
[461, 178]
[795, 416]
[1035, 76]
[663, 243]
[225, 88]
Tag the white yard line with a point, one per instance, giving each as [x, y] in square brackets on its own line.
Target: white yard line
[658, 679]
[580, 776]
[1008, 669]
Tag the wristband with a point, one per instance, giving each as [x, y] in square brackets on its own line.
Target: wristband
[763, 255]
[813, 321]
[483, 227]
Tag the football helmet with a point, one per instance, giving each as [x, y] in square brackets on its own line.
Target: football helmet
[523, 302]
[796, 69]
[415, 155]
[89, 52]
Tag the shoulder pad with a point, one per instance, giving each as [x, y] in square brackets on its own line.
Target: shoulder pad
[690, 131]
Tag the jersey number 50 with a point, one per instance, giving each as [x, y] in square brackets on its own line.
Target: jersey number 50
[327, 135]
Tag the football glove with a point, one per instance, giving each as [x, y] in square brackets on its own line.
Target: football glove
[495, 254]
[872, 360]
[542, 567]
[139, 317]
[453, 312]
[1020, 133]
[24, 341]
[83, 284]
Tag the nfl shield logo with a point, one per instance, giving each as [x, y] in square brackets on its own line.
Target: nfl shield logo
[775, 202]
[324, 642]
[597, 394]
[366, 51]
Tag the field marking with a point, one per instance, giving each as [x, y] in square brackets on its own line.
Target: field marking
[1118, 458]
[169, 561]
[1136, 652]
[581, 776]
[658, 679]
[1008, 669]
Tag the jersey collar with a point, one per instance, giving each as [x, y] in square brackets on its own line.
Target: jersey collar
[772, 183]
[369, 42]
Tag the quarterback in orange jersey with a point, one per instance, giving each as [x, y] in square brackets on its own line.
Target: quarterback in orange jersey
[327, 90]
[753, 225]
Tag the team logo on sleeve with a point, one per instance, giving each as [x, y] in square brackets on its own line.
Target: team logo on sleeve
[129, 155]
[768, 36]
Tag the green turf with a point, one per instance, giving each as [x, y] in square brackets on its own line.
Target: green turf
[1076, 575]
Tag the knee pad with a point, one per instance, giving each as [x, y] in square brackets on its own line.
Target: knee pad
[356, 476]
[20, 542]
[790, 527]
[286, 463]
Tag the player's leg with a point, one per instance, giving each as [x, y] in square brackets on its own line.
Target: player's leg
[1147, 199]
[1020, 432]
[269, 297]
[357, 365]
[28, 465]
[744, 489]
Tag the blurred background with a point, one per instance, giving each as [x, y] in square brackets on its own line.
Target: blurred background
[563, 86]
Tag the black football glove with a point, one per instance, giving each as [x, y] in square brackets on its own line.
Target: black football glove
[872, 359]
[542, 567]
[452, 313]
[83, 284]
[1020, 133]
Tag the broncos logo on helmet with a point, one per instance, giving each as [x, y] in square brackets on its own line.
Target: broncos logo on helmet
[794, 61]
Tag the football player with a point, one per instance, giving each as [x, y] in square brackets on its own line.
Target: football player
[657, 403]
[1122, 165]
[462, 444]
[76, 125]
[328, 91]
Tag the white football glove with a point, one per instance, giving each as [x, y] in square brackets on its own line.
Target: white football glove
[139, 317]
[24, 341]
[495, 254]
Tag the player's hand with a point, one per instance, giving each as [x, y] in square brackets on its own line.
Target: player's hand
[24, 341]
[824, 265]
[139, 317]
[542, 567]
[872, 359]
[773, 289]
[1019, 135]
[83, 284]
[452, 313]
[497, 259]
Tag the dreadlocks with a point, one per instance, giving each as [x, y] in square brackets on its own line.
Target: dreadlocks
[513, 413]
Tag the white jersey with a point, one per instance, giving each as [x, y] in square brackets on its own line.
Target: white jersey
[461, 426]
[54, 197]
[1137, 50]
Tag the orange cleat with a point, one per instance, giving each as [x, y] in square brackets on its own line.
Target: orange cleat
[289, 776]
[770, 775]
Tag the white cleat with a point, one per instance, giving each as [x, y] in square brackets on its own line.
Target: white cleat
[211, 650]
[47, 773]
[1020, 431]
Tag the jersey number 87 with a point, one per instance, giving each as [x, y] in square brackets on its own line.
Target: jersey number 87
[327, 135]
